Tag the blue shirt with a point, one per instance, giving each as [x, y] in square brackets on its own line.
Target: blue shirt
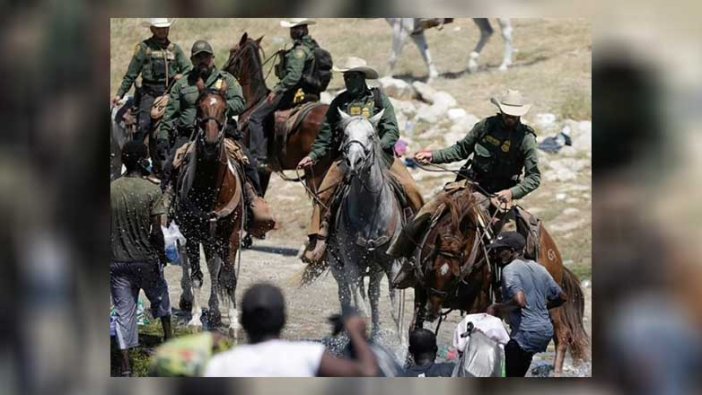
[531, 326]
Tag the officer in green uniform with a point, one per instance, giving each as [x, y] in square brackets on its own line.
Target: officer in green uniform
[356, 100]
[501, 147]
[290, 90]
[179, 120]
[159, 62]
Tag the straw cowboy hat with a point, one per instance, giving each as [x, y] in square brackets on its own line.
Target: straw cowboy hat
[297, 22]
[512, 103]
[357, 64]
[158, 22]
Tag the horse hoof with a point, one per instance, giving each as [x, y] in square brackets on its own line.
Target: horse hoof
[195, 325]
[184, 305]
[247, 241]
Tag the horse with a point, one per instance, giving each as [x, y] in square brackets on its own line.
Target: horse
[245, 63]
[413, 27]
[455, 273]
[368, 218]
[209, 209]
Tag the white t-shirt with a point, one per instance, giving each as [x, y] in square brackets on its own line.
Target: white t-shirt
[272, 358]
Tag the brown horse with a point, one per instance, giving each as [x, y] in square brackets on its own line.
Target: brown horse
[246, 65]
[456, 274]
[209, 208]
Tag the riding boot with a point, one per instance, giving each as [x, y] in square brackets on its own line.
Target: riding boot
[315, 255]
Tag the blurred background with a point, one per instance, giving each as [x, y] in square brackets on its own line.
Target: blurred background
[646, 97]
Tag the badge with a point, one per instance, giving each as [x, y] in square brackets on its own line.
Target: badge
[492, 140]
[218, 84]
[506, 145]
[355, 110]
[366, 112]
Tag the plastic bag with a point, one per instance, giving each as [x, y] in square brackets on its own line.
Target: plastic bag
[173, 239]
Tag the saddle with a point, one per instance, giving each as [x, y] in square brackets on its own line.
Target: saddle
[287, 122]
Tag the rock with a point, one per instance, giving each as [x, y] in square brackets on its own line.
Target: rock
[560, 196]
[404, 107]
[433, 114]
[570, 211]
[396, 88]
[455, 114]
[544, 120]
[572, 200]
[451, 137]
[432, 133]
[444, 99]
[459, 128]
[424, 91]
[568, 151]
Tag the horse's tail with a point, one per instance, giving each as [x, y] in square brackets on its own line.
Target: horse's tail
[573, 313]
[309, 274]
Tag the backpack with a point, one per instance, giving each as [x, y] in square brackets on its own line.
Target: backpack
[319, 74]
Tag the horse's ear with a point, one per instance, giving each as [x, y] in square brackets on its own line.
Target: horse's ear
[243, 39]
[200, 85]
[258, 40]
[344, 116]
[376, 118]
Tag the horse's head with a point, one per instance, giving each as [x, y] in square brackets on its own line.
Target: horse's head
[211, 117]
[452, 256]
[360, 141]
[244, 61]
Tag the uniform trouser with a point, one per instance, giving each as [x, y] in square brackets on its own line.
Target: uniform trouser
[335, 175]
[258, 140]
[126, 279]
[410, 236]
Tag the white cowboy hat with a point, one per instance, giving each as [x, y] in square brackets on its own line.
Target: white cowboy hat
[297, 22]
[512, 103]
[158, 22]
[357, 64]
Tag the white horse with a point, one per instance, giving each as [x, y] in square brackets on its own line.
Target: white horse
[412, 27]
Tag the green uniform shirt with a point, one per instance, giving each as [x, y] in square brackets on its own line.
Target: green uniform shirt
[498, 156]
[182, 106]
[134, 200]
[296, 58]
[150, 59]
[330, 135]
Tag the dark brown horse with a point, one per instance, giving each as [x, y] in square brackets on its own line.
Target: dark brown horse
[209, 209]
[245, 63]
[455, 274]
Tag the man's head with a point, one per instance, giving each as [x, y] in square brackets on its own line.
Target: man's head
[159, 27]
[134, 156]
[356, 72]
[298, 27]
[422, 346]
[263, 312]
[507, 247]
[202, 57]
[512, 107]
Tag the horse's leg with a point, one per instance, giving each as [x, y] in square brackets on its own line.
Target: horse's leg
[229, 281]
[342, 285]
[186, 297]
[485, 32]
[560, 339]
[399, 35]
[213, 266]
[421, 42]
[197, 280]
[506, 29]
[374, 294]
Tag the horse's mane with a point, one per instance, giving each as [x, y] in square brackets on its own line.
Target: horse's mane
[457, 204]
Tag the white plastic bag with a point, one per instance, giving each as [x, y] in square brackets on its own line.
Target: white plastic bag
[173, 239]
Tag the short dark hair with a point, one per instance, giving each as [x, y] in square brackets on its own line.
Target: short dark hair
[263, 311]
[132, 152]
[422, 342]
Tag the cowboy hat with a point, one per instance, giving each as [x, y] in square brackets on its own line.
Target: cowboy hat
[158, 22]
[357, 64]
[511, 103]
[297, 22]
